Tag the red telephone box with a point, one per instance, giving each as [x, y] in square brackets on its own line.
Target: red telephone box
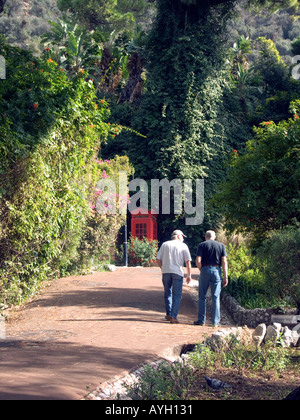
[144, 224]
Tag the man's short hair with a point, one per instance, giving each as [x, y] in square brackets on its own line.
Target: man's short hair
[210, 234]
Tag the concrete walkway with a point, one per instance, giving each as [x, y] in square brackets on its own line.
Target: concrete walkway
[82, 331]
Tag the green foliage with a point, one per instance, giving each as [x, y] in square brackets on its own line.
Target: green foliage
[281, 254]
[262, 82]
[179, 380]
[142, 251]
[105, 15]
[101, 230]
[236, 354]
[166, 382]
[246, 279]
[262, 190]
[296, 46]
[274, 74]
[181, 115]
[51, 129]
[272, 5]
[242, 262]
[74, 48]
[179, 111]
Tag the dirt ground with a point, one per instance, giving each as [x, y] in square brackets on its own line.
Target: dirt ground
[248, 386]
[83, 330]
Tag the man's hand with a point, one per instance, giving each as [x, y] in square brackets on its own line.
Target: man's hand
[225, 282]
[225, 271]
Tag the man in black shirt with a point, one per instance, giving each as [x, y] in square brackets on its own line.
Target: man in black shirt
[211, 256]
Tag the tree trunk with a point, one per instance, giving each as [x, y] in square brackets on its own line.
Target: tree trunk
[2, 4]
[133, 89]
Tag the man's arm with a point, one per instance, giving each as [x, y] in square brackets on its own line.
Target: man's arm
[189, 271]
[225, 271]
[159, 262]
[198, 263]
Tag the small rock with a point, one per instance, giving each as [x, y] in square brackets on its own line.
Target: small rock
[297, 328]
[273, 332]
[286, 338]
[259, 334]
[217, 340]
[295, 338]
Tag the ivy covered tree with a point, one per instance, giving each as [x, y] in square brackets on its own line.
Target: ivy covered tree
[179, 113]
[187, 127]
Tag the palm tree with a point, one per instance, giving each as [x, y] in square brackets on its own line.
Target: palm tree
[74, 48]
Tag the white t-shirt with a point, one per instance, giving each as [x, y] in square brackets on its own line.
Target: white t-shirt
[173, 255]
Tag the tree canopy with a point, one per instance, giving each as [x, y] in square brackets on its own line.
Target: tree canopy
[261, 193]
[105, 16]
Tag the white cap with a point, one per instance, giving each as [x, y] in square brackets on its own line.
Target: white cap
[178, 232]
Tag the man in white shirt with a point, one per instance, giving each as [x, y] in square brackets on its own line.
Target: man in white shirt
[171, 258]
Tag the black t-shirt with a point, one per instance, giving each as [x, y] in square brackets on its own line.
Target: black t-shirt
[211, 252]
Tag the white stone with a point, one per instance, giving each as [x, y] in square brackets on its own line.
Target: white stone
[286, 338]
[259, 334]
[273, 332]
[297, 328]
[295, 338]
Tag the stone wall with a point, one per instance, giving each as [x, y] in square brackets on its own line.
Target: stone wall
[241, 316]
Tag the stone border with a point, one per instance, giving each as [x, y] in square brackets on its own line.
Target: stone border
[242, 316]
[115, 388]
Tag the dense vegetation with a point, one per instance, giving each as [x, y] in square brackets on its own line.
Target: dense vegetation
[51, 132]
[189, 79]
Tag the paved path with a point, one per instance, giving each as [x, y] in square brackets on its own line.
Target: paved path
[82, 331]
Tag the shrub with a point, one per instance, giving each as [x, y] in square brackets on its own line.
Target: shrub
[281, 253]
[261, 193]
[165, 382]
[142, 251]
[240, 260]
[246, 280]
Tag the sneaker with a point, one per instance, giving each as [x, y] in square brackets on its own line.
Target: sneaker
[198, 323]
[174, 321]
[168, 317]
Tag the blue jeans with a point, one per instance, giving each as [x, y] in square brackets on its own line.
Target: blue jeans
[210, 276]
[173, 293]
